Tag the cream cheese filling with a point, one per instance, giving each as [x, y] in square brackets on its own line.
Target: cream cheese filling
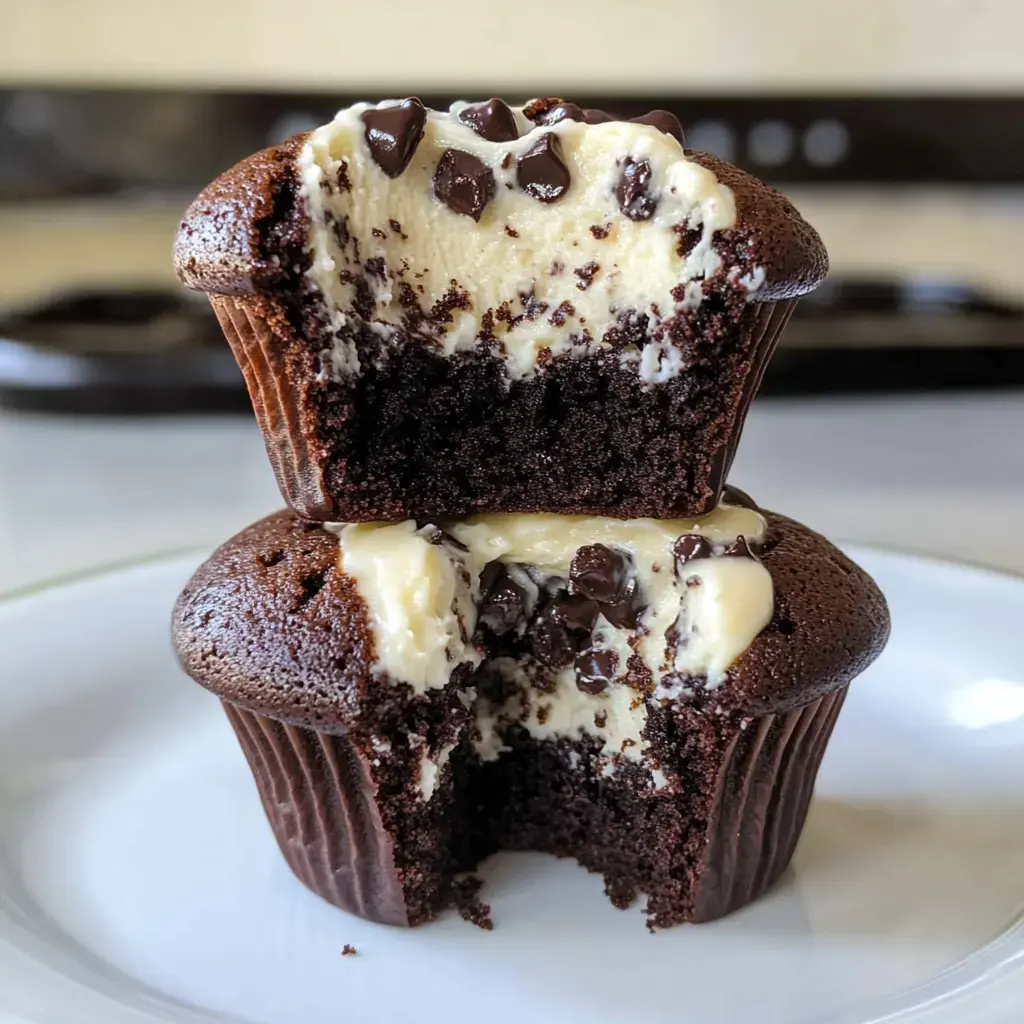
[582, 262]
[423, 597]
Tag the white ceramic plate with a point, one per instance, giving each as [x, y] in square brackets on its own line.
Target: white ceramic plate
[139, 881]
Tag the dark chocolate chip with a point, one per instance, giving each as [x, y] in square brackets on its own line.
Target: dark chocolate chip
[692, 546]
[665, 121]
[536, 109]
[599, 573]
[435, 535]
[739, 548]
[463, 183]
[502, 600]
[734, 496]
[594, 116]
[393, 133]
[560, 112]
[635, 201]
[542, 172]
[563, 311]
[625, 613]
[575, 612]
[595, 670]
[492, 120]
[553, 645]
[491, 685]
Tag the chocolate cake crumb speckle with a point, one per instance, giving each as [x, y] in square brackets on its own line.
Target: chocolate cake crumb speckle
[563, 311]
[586, 275]
[349, 950]
[470, 908]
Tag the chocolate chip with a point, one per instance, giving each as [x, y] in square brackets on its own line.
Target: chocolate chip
[625, 613]
[560, 112]
[599, 573]
[536, 109]
[665, 121]
[552, 110]
[492, 120]
[542, 172]
[393, 133]
[463, 183]
[739, 548]
[553, 645]
[734, 496]
[635, 200]
[595, 670]
[575, 612]
[502, 600]
[431, 534]
[692, 546]
[491, 686]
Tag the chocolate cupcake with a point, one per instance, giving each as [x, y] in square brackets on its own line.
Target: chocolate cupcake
[651, 698]
[496, 309]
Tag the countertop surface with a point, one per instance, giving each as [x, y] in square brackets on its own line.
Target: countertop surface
[938, 475]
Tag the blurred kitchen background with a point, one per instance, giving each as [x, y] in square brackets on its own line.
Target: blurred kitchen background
[890, 413]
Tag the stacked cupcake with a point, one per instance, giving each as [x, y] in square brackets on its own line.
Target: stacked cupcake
[501, 358]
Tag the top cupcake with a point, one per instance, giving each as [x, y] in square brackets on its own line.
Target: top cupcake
[497, 308]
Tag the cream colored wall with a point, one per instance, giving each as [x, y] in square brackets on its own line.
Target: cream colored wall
[526, 45]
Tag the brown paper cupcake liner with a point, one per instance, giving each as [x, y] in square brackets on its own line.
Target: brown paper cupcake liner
[320, 801]
[765, 322]
[760, 802]
[262, 341]
[322, 804]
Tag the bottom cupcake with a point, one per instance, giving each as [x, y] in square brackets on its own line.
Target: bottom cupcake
[650, 697]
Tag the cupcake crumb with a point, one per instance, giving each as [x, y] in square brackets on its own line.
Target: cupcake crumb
[469, 906]
[349, 950]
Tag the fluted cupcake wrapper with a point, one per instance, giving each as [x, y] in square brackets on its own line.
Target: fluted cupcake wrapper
[762, 794]
[764, 324]
[273, 362]
[257, 330]
[321, 802]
